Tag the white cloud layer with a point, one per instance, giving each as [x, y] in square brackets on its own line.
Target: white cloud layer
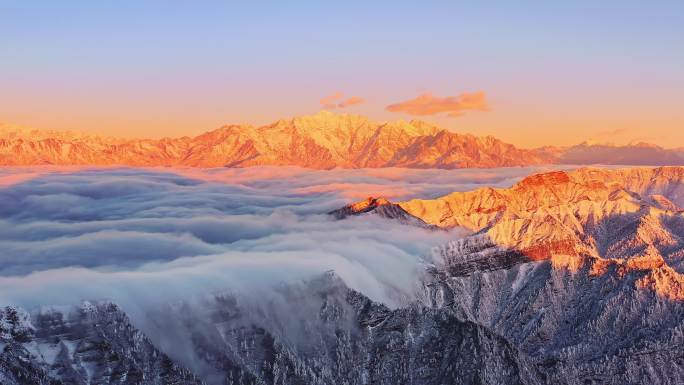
[139, 236]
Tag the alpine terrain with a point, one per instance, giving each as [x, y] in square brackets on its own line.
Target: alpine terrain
[582, 271]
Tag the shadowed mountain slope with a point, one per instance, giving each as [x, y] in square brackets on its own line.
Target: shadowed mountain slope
[336, 336]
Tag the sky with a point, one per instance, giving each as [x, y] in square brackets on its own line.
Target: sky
[531, 73]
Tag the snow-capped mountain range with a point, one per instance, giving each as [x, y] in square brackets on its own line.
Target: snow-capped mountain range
[321, 141]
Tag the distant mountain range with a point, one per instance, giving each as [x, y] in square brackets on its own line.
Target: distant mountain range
[321, 141]
[644, 154]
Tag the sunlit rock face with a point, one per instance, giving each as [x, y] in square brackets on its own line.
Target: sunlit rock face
[615, 214]
[382, 207]
[321, 141]
[581, 270]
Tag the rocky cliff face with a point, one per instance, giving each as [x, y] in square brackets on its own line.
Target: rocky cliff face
[582, 271]
[84, 345]
[320, 141]
[336, 336]
[615, 215]
[382, 207]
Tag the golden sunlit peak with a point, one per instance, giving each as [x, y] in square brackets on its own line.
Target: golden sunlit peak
[369, 203]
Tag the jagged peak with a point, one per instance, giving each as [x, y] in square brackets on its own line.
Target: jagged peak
[548, 179]
[371, 202]
[413, 128]
[224, 131]
[324, 120]
[365, 205]
[328, 118]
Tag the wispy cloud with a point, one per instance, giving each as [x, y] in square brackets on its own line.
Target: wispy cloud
[337, 100]
[454, 106]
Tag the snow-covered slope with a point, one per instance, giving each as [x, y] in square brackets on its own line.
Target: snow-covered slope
[580, 319]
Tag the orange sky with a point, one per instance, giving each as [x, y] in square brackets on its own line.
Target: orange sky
[553, 74]
[522, 125]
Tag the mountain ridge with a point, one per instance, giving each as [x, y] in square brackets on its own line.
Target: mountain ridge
[321, 141]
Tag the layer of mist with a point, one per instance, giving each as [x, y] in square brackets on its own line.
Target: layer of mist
[141, 236]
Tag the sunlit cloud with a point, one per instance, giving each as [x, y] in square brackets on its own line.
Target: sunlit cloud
[337, 100]
[454, 106]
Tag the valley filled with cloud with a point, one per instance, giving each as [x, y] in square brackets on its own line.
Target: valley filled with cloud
[136, 236]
